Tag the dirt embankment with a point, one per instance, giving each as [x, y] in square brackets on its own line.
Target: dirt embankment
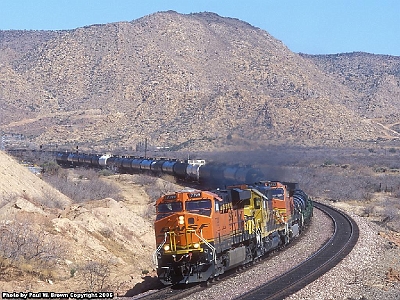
[65, 246]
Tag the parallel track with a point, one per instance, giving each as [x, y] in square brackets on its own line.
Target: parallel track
[341, 243]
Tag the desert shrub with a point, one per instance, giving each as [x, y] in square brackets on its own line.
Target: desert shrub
[50, 167]
[87, 186]
[95, 275]
[106, 232]
[25, 247]
[150, 212]
[396, 194]
[50, 199]
[106, 172]
[145, 180]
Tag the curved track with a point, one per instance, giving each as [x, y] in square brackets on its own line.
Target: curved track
[343, 240]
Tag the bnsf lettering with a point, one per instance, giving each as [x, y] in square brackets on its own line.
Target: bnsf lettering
[183, 228]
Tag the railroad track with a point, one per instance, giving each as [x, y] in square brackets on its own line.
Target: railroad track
[343, 240]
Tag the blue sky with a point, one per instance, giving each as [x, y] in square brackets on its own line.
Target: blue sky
[307, 26]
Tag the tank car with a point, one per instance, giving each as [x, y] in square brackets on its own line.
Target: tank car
[217, 174]
[179, 170]
[168, 167]
[115, 162]
[62, 158]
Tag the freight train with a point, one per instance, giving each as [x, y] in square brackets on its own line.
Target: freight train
[190, 170]
[202, 234]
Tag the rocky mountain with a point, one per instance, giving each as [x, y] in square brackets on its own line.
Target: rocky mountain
[198, 80]
[375, 79]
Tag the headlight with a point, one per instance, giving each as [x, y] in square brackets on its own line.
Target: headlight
[196, 245]
[166, 247]
[181, 220]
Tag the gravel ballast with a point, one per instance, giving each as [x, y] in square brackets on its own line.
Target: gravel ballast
[361, 275]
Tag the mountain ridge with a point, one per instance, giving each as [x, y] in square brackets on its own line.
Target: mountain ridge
[173, 78]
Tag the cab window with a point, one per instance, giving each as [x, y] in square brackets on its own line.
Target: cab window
[166, 209]
[216, 204]
[201, 207]
[276, 194]
[257, 203]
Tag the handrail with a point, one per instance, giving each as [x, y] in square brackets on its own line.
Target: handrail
[155, 260]
[208, 244]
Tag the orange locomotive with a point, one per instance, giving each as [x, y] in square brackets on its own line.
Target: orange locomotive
[201, 234]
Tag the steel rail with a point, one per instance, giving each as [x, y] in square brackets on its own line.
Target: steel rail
[341, 243]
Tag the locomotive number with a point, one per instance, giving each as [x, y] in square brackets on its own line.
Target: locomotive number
[170, 197]
[195, 195]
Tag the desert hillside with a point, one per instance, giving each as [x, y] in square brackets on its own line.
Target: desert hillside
[197, 81]
[49, 242]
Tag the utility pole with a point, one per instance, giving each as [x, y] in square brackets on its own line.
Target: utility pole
[145, 148]
[2, 142]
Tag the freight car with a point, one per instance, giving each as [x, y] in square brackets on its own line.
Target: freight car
[211, 175]
[202, 234]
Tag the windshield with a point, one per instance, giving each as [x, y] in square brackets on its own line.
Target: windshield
[166, 209]
[276, 194]
[201, 207]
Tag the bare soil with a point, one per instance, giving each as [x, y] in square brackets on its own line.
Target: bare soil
[117, 235]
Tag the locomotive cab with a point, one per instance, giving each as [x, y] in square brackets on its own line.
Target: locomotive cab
[184, 231]
[199, 234]
[281, 197]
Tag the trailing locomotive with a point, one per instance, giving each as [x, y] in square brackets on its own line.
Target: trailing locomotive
[202, 234]
[212, 175]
